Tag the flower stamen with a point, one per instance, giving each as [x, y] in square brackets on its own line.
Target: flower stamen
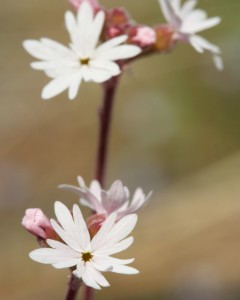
[86, 256]
[84, 61]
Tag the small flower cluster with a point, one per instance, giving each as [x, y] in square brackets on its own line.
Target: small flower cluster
[120, 38]
[87, 247]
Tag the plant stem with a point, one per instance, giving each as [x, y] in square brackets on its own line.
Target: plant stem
[88, 293]
[73, 286]
[105, 117]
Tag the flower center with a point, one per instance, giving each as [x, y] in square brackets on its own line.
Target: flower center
[84, 61]
[86, 256]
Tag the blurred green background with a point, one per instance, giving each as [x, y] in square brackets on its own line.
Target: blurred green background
[175, 131]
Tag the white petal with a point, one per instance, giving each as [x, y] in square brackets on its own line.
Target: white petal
[81, 182]
[47, 49]
[74, 230]
[74, 226]
[96, 30]
[122, 228]
[80, 270]
[218, 62]
[72, 188]
[83, 35]
[119, 52]
[64, 217]
[200, 44]
[74, 85]
[96, 75]
[71, 24]
[116, 248]
[86, 203]
[190, 24]
[87, 73]
[66, 237]
[124, 269]
[105, 263]
[112, 43]
[95, 188]
[96, 204]
[85, 16]
[89, 197]
[82, 232]
[55, 87]
[63, 248]
[89, 277]
[115, 198]
[139, 199]
[103, 234]
[98, 277]
[106, 65]
[169, 13]
[52, 256]
[66, 264]
[187, 7]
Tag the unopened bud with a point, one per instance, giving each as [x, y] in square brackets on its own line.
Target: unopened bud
[142, 36]
[117, 22]
[37, 223]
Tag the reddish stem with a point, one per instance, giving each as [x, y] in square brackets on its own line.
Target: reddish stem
[73, 286]
[105, 116]
[88, 293]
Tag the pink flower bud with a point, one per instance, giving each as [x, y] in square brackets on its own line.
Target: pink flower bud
[117, 22]
[37, 223]
[142, 36]
[94, 4]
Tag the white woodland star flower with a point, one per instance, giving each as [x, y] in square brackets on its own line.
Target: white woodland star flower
[83, 60]
[186, 22]
[91, 257]
[116, 199]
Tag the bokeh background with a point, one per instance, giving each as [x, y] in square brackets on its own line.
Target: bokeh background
[175, 131]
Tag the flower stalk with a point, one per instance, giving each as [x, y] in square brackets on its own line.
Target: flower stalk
[105, 117]
[73, 287]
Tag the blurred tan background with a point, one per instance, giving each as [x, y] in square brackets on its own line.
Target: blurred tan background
[175, 131]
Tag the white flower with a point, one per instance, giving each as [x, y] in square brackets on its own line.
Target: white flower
[91, 257]
[106, 202]
[186, 21]
[83, 60]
